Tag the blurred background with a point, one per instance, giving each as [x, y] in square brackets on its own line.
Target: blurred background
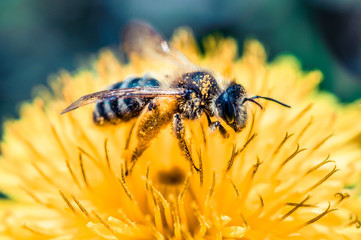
[38, 38]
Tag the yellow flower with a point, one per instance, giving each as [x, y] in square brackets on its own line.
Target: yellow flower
[290, 174]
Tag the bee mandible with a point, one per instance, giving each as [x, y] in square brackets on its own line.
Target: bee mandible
[192, 91]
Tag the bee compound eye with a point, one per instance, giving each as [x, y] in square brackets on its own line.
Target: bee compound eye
[228, 111]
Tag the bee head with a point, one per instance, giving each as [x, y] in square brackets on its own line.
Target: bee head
[231, 107]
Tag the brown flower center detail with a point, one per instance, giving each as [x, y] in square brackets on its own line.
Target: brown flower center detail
[173, 176]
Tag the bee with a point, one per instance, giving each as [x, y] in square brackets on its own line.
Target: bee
[187, 94]
[123, 109]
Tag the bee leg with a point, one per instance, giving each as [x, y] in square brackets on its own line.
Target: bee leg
[149, 126]
[152, 105]
[217, 126]
[179, 131]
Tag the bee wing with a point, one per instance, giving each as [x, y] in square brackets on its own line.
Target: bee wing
[108, 95]
[145, 41]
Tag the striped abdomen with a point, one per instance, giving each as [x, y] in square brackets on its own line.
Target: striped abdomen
[123, 109]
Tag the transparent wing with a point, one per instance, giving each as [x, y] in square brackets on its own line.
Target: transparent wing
[108, 95]
[141, 38]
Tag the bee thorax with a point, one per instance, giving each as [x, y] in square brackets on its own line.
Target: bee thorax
[201, 89]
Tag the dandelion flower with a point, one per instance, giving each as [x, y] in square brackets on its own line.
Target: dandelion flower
[290, 174]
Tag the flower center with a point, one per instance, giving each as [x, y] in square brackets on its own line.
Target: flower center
[173, 176]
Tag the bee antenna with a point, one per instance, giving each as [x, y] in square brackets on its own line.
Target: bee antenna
[252, 100]
[267, 98]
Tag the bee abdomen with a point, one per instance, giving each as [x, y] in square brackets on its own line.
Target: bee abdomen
[123, 109]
